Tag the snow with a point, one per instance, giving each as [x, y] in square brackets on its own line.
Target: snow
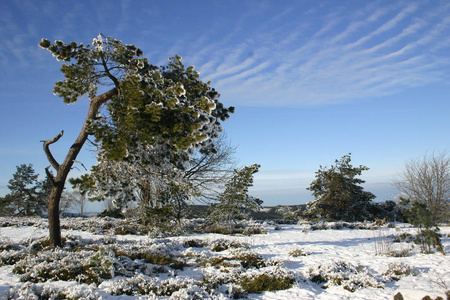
[317, 250]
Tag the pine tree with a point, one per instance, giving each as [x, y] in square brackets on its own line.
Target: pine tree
[338, 193]
[145, 105]
[27, 196]
[235, 202]
[6, 207]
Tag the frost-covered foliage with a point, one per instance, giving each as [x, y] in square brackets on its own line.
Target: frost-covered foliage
[245, 227]
[82, 266]
[345, 274]
[31, 291]
[10, 252]
[234, 202]
[222, 244]
[146, 285]
[298, 251]
[132, 226]
[397, 270]
[23, 221]
[288, 213]
[92, 262]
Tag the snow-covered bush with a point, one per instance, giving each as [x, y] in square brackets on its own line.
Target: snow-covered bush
[341, 273]
[218, 262]
[297, 252]
[10, 252]
[98, 266]
[397, 270]
[161, 260]
[254, 229]
[10, 257]
[195, 243]
[222, 244]
[319, 226]
[23, 221]
[31, 291]
[268, 279]
[191, 292]
[248, 259]
[224, 275]
[146, 285]
[82, 266]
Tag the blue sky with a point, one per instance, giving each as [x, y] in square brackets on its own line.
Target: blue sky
[311, 80]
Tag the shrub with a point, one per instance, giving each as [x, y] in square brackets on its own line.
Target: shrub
[395, 271]
[271, 280]
[238, 227]
[398, 252]
[195, 243]
[319, 226]
[161, 259]
[428, 237]
[82, 266]
[249, 259]
[34, 291]
[10, 257]
[218, 262]
[98, 266]
[288, 213]
[235, 291]
[124, 229]
[254, 229]
[222, 245]
[145, 285]
[10, 252]
[343, 274]
[297, 252]
[226, 275]
[113, 213]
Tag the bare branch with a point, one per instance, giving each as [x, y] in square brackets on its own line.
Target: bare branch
[50, 176]
[84, 167]
[427, 180]
[47, 151]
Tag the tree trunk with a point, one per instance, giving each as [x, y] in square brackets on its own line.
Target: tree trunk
[53, 215]
[62, 171]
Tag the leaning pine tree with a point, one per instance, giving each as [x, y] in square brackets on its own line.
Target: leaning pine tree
[235, 202]
[142, 104]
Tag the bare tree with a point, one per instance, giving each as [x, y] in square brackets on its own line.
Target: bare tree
[427, 180]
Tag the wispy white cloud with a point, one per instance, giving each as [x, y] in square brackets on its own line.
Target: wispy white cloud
[379, 52]
[389, 25]
[269, 54]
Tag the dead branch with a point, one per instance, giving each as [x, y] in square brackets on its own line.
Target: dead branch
[50, 176]
[47, 151]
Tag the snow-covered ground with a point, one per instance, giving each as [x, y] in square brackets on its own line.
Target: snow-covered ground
[339, 263]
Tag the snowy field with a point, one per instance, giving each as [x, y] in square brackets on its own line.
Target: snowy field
[309, 261]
